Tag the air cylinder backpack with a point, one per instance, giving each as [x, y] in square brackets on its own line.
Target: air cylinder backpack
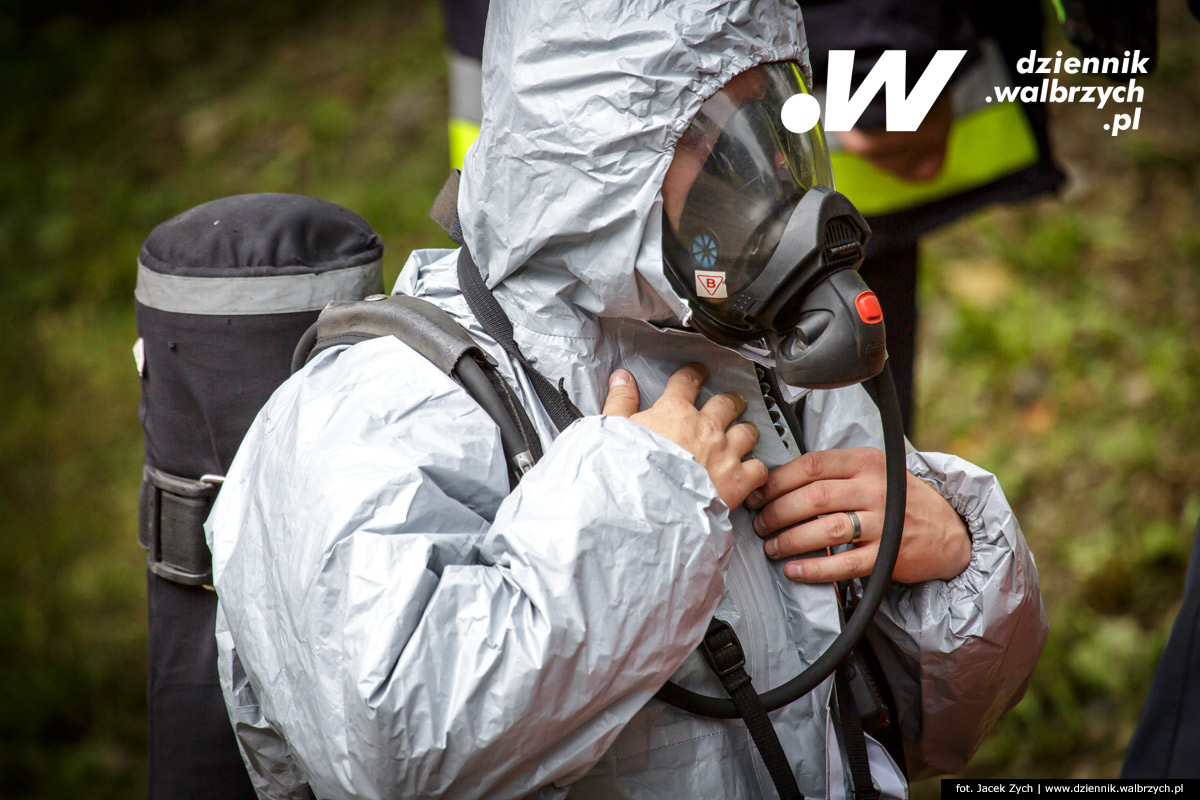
[224, 292]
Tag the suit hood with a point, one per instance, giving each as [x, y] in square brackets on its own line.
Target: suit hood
[582, 105]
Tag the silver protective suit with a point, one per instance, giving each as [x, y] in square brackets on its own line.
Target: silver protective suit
[394, 623]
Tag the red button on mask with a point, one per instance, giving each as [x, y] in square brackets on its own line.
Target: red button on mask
[868, 308]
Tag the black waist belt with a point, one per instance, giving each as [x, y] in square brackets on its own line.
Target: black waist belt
[171, 514]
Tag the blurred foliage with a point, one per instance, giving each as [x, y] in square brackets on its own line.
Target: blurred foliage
[111, 128]
[1057, 348]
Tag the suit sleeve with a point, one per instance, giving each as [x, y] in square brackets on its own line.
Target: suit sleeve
[402, 621]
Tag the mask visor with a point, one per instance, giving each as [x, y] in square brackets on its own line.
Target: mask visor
[737, 176]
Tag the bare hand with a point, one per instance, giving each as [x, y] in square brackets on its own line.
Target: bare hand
[708, 433]
[935, 544]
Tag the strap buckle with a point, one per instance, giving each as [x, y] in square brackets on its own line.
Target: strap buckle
[722, 650]
[725, 656]
[171, 514]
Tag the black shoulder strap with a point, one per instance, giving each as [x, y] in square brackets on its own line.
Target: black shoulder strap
[862, 787]
[487, 310]
[725, 656]
[491, 316]
[447, 345]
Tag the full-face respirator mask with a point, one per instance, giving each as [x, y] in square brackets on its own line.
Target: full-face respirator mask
[762, 246]
[767, 254]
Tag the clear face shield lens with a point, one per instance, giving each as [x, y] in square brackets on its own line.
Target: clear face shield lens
[737, 175]
[759, 242]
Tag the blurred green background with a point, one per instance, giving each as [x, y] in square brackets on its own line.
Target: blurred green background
[1058, 349]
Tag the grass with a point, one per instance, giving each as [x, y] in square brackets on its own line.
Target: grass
[1058, 346]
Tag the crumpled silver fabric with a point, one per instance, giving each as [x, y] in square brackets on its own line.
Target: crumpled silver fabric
[394, 623]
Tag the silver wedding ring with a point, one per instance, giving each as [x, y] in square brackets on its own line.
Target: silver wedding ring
[857, 532]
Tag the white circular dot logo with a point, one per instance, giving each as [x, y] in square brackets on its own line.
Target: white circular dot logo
[800, 113]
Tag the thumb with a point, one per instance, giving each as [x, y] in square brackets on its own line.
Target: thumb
[623, 398]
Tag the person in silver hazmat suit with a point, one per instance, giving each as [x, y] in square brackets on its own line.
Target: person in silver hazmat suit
[394, 622]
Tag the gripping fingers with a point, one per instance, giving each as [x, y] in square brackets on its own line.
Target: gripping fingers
[623, 397]
[685, 383]
[742, 438]
[827, 531]
[735, 479]
[819, 465]
[822, 497]
[754, 473]
[724, 408]
[856, 563]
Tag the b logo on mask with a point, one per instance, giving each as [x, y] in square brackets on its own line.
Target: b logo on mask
[711, 284]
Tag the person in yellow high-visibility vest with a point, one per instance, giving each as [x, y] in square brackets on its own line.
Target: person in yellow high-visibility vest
[969, 152]
[465, 20]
